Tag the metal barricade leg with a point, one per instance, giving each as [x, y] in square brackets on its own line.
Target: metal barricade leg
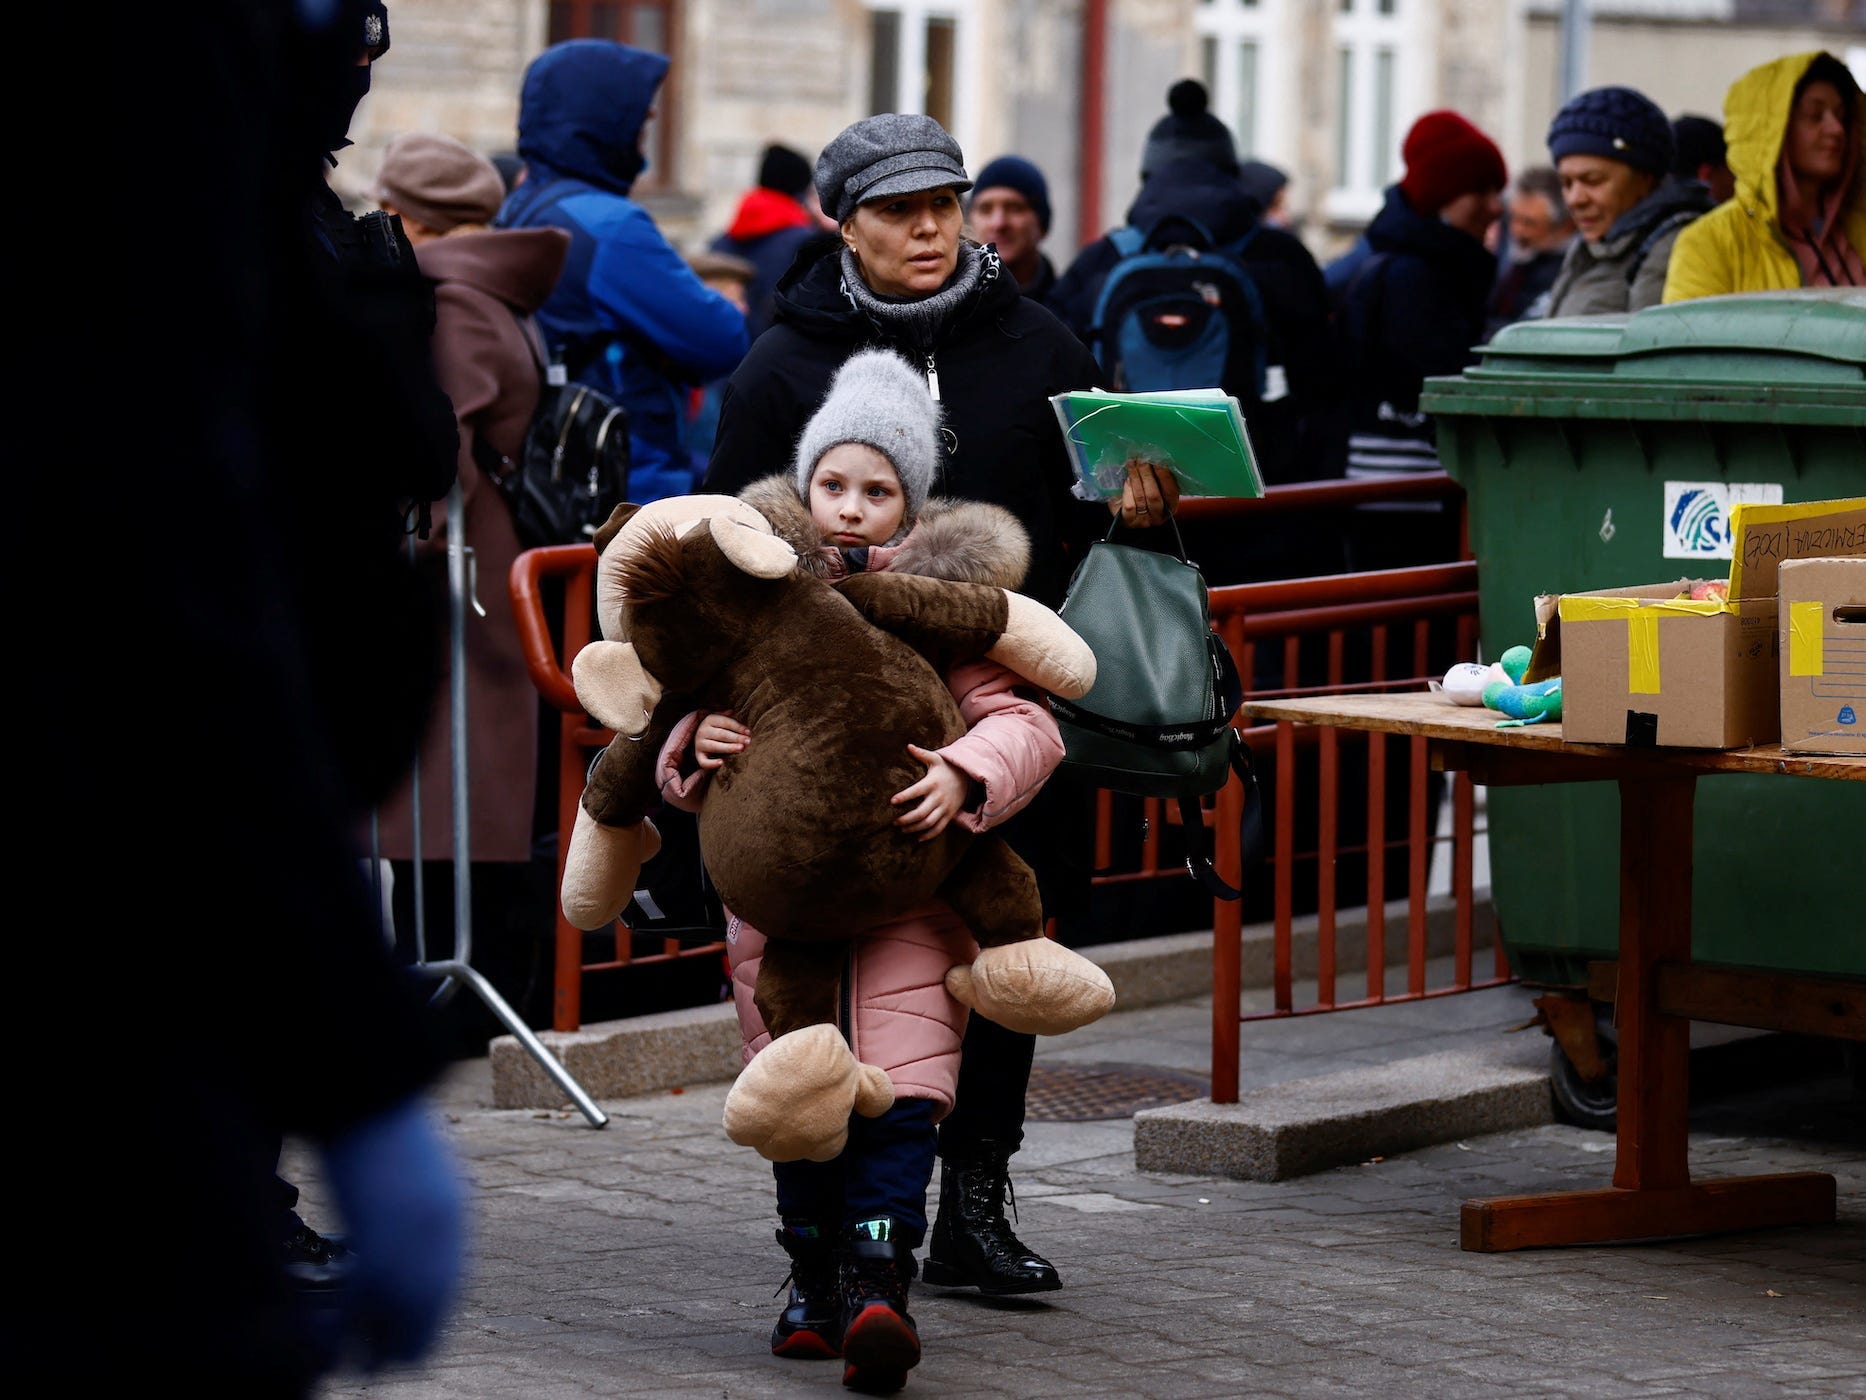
[458, 969]
[516, 1025]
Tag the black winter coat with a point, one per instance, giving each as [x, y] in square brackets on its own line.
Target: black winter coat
[1418, 313]
[998, 362]
[1291, 434]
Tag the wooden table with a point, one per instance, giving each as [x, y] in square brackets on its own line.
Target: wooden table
[1656, 989]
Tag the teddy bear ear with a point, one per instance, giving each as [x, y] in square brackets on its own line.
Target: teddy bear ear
[612, 527]
[760, 555]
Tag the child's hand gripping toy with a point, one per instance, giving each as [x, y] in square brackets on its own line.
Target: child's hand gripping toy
[798, 831]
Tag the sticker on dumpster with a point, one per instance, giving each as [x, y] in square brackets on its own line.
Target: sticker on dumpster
[1696, 522]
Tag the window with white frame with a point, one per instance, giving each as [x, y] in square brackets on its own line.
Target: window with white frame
[1237, 39]
[920, 60]
[1373, 72]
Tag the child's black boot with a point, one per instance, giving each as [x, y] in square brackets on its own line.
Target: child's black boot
[810, 1327]
[879, 1343]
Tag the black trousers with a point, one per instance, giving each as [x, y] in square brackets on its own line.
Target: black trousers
[994, 1077]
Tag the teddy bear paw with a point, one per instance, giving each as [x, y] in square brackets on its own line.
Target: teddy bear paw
[794, 1099]
[602, 867]
[1037, 987]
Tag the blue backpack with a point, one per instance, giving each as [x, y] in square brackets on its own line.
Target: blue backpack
[1181, 316]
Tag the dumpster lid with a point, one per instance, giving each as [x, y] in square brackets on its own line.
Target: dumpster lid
[1804, 347]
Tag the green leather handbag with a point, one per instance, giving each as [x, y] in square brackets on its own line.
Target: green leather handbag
[1157, 722]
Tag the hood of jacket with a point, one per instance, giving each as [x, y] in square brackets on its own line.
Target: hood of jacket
[764, 211]
[517, 265]
[581, 112]
[1755, 127]
[1194, 190]
[1399, 228]
[810, 296]
[960, 541]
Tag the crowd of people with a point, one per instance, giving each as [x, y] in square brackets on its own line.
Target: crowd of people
[869, 346]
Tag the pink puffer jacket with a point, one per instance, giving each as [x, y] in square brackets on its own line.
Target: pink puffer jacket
[905, 1021]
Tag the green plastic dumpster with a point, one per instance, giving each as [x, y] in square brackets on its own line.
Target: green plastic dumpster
[1604, 451]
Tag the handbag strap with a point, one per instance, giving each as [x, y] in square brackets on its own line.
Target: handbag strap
[1178, 539]
[1250, 829]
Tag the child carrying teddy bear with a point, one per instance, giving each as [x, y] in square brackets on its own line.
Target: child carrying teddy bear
[856, 500]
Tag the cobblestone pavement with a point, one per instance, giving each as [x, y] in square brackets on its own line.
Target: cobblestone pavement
[638, 1260]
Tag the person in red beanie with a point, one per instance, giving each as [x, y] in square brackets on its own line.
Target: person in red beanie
[775, 218]
[1409, 303]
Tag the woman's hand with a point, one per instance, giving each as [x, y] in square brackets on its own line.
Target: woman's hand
[1149, 495]
[937, 798]
[718, 738]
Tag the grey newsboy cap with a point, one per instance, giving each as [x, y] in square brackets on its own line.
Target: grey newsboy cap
[879, 157]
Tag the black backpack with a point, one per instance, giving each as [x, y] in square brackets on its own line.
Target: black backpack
[1178, 312]
[572, 466]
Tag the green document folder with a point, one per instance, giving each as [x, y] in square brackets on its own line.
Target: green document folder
[1199, 433]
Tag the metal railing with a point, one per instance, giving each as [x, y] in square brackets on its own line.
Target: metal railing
[1378, 631]
[547, 659]
[1342, 632]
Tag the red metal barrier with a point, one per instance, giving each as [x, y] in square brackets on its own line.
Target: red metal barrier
[1393, 617]
[548, 660]
[1394, 611]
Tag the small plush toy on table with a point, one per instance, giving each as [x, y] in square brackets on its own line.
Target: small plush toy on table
[1499, 686]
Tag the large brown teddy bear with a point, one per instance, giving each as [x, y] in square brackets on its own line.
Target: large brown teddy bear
[798, 832]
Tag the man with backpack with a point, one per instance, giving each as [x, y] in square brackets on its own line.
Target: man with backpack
[630, 318]
[1196, 291]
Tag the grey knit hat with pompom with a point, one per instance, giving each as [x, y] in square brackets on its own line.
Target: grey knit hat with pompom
[879, 399]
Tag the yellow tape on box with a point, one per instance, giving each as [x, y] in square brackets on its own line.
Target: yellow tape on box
[1807, 622]
[1642, 628]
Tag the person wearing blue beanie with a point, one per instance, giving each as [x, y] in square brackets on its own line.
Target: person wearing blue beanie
[1010, 209]
[1613, 150]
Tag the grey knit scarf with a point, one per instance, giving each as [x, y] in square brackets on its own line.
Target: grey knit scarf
[919, 321]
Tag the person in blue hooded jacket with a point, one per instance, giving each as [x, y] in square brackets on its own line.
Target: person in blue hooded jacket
[628, 315]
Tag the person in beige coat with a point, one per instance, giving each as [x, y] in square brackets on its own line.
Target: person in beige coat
[488, 282]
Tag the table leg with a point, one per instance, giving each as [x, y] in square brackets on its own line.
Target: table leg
[1652, 1194]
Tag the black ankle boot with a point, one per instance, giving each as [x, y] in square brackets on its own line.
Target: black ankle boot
[879, 1341]
[972, 1244]
[810, 1327]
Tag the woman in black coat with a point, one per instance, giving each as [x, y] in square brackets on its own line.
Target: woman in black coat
[902, 277]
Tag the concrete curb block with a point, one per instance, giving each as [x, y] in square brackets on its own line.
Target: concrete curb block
[1308, 1125]
[700, 1045]
[615, 1059]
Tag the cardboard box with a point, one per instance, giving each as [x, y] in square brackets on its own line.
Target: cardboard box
[1650, 666]
[1823, 647]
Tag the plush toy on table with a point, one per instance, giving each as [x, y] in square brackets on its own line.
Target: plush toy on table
[1500, 687]
[798, 834]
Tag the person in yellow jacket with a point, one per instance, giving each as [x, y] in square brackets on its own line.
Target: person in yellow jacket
[1792, 128]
